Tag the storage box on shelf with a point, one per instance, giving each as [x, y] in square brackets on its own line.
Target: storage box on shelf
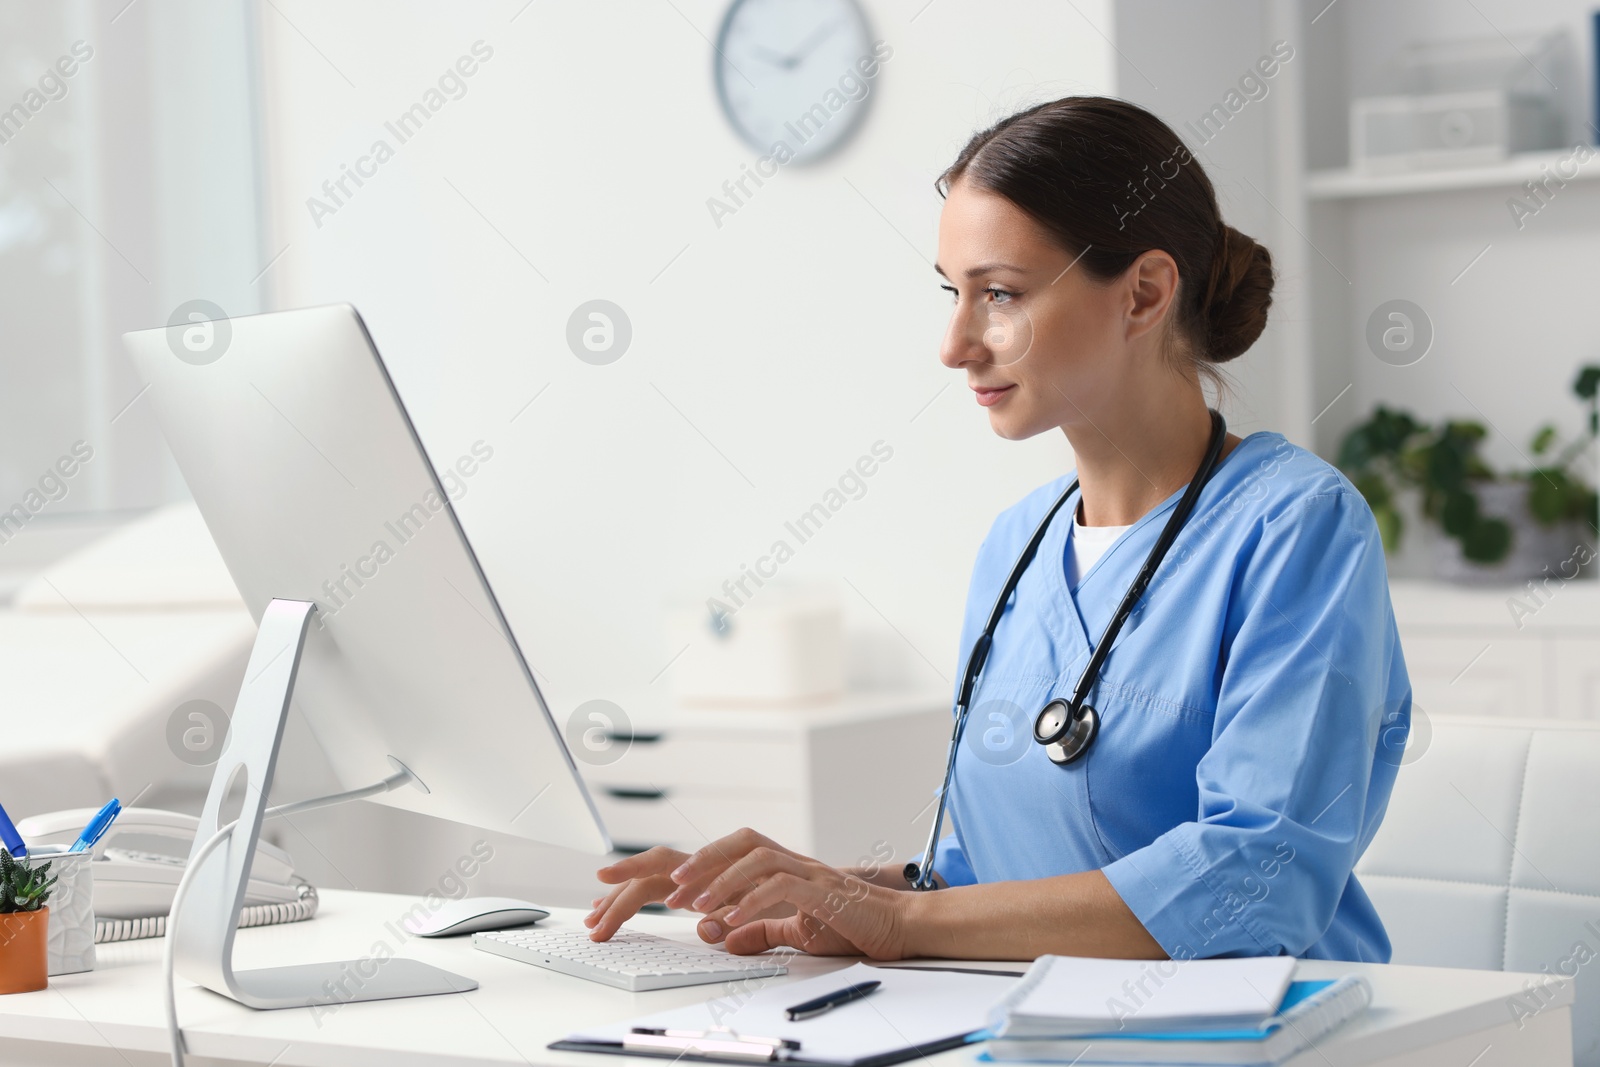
[831, 780]
[1404, 134]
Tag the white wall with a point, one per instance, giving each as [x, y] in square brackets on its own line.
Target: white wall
[1179, 58]
[767, 355]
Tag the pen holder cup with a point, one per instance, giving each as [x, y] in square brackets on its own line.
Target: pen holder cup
[71, 931]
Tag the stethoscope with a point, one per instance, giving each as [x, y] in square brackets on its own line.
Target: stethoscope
[1066, 728]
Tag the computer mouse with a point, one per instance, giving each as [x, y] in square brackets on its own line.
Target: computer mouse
[472, 914]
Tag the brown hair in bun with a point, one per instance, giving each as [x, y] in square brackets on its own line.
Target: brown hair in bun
[1111, 181]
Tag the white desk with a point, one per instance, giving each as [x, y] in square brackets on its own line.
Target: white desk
[1421, 1015]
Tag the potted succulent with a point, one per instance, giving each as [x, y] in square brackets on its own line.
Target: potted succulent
[1496, 527]
[24, 919]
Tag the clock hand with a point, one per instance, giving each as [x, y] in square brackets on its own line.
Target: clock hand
[774, 58]
[810, 44]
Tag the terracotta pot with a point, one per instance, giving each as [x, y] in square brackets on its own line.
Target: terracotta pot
[24, 951]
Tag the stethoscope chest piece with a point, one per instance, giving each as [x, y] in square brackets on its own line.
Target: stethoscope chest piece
[1065, 736]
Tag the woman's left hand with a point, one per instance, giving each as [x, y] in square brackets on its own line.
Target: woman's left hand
[742, 880]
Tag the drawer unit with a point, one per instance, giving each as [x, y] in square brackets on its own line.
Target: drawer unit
[727, 759]
[831, 780]
[641, 818]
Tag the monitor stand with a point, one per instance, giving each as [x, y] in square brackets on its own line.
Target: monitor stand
[209, 916]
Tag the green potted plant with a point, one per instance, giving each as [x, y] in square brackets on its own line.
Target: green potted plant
[1496, 527]
[24, 924]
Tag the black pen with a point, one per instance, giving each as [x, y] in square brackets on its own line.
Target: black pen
[829, 1001]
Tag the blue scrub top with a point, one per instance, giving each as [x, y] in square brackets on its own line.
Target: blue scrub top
[1253, 713]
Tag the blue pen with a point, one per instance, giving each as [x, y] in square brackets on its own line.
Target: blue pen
[10, 838]
[97, 826]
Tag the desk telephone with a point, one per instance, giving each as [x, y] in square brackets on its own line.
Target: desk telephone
[133, 887]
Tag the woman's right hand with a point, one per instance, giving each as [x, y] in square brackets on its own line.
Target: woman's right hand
[649, 877]
[756, 895]
[644, 879]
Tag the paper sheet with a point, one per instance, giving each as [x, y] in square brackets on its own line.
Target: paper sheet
[912, 1007]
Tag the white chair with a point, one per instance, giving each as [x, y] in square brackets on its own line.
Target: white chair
[1489, 856]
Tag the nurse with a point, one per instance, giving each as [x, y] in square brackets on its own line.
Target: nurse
[1248, 711]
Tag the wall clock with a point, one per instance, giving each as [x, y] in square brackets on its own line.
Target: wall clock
[794, 71]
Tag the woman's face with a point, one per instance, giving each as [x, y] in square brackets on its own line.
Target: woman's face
[1043, 344]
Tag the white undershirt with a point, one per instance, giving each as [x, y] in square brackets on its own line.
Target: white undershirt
[1088, 544]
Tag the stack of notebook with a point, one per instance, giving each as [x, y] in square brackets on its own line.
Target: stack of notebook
[1245, 1011]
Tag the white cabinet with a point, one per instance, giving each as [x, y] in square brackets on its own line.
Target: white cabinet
[1577, 677]
[830, 780]
[1469, 653]
[1475, 675]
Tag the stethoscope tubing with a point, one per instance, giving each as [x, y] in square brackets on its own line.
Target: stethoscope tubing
[1169, 533]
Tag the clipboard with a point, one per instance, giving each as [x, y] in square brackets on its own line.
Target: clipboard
[916, 1012]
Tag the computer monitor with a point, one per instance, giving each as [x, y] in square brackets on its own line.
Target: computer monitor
[373, 612]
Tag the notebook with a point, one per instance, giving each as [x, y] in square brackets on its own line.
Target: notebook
[914, 1013]
[1310, 1011]
[1065, 996]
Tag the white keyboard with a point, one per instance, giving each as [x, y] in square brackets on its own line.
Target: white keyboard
[630, 960]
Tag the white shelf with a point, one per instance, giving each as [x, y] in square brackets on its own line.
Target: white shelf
[1348, 184]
